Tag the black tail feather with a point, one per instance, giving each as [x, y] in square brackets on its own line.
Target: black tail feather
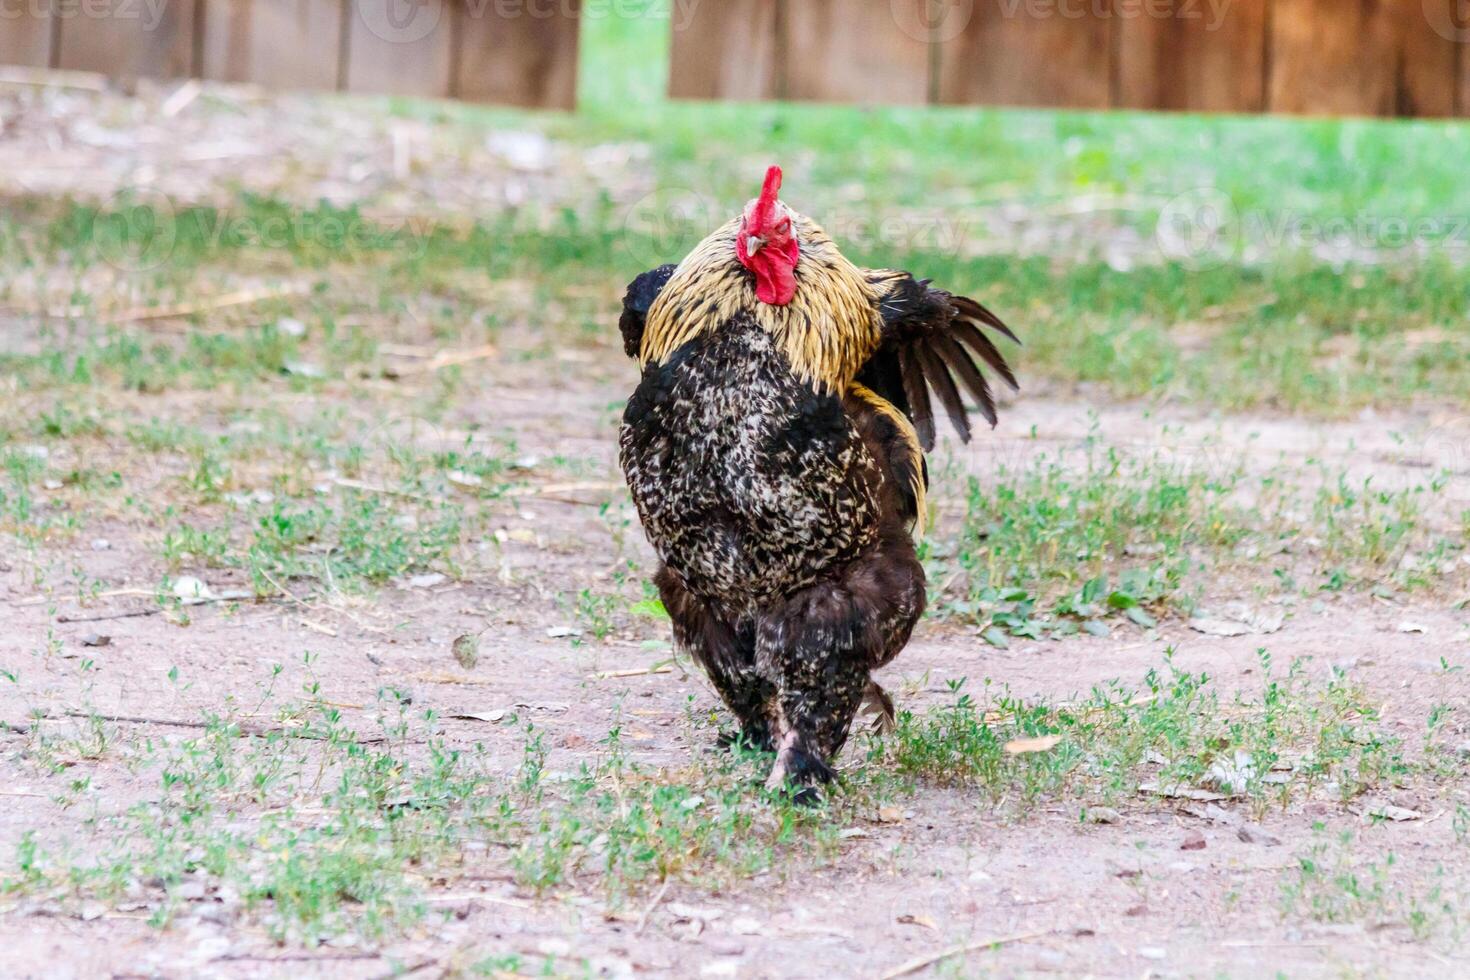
[918, 397]
[971, 336]
[970, 308]
[960, 364]
[944, 387]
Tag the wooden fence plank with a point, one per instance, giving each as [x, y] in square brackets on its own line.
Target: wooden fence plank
[134, 40]
[1450, 20]
[1462, 54]
[1427, 34]
[856, 51]
[518, 54]
[1189, 55]
[1014, 52]
[1333, 57]
[25, 33]
[281, 44]
[400, 47]
[725, 50]
[1366, 57]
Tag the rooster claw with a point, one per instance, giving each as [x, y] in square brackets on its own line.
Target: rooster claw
[797, 794]
[798, 773]
[806, 796]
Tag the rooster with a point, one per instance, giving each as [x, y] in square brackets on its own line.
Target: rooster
[774, 448]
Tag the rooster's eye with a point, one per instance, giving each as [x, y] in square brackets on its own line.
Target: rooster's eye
[784, 225]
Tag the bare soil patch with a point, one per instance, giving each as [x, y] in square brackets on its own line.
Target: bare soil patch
[1160, 887]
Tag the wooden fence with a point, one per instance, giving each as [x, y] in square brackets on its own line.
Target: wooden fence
[518, 52]
[1340, 57]
[1330, 57]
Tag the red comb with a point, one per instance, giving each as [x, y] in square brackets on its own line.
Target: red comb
[765, 206]
[772, 186]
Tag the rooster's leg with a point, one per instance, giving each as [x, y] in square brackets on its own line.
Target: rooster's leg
[819, 646]
[726, 652]
[812, 712]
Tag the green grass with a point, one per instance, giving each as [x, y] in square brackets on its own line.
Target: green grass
[331, 537]
[363, 538]
[1046, 548]
[318, 829]
[312, 826]
[1334, 882]
[1290, 741]
[627, 826]
[1083, 538]
[1294, 335]
[313, 829]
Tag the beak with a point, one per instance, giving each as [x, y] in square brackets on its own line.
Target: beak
[753, 244]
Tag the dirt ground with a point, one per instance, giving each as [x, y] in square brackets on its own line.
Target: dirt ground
[1105, 900]
[1167, 889]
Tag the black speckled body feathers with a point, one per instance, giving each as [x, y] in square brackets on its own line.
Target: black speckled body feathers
[773, 458]
[750, 484]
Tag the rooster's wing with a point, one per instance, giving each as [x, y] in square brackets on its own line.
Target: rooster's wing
[636, 302]
[931, 339]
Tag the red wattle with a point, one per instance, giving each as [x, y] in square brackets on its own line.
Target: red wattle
[775, 275]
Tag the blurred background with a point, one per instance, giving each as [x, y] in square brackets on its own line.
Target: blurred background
[1113, 231]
